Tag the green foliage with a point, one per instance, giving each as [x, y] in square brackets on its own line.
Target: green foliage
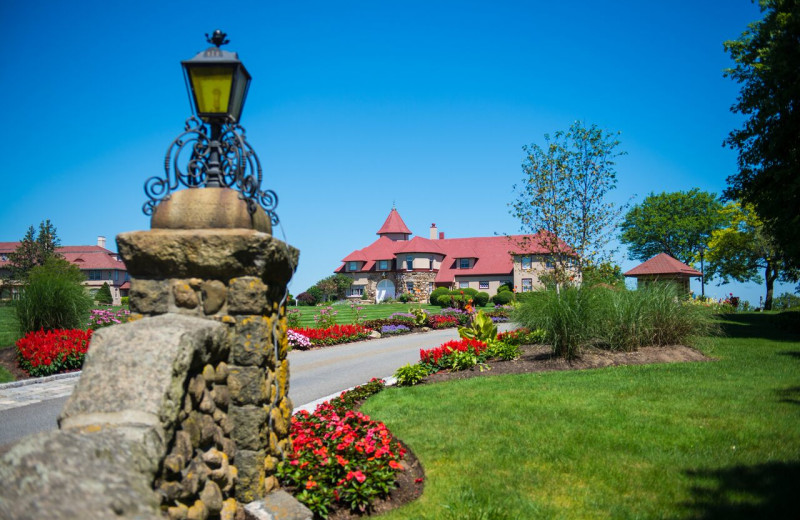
[743, 250]
[351, 398]
[786, 301]
[409, 375]
[405, 298]
[53, 298]
[103, 294]
[467, 291]
[316, 295]
[34, 249]
[606, 273]
[462, 360]
[481, 299]
[678, 224]
[767, 61]
[433, 298]
[444, 300]
[505, 287]
[503, 298]
[563, 193]
[124, 301]
[333, 287]
[420, 316]
[482, 328]
[503, 351]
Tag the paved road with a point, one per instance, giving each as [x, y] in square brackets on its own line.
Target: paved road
[315, 374]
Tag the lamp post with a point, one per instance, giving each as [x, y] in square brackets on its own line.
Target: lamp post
[219, 156]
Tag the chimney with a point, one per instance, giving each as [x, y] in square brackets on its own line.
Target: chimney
[441, 235]
[434, 232]
[101, 242]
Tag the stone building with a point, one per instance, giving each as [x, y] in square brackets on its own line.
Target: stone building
[664, 268]
[395, 264]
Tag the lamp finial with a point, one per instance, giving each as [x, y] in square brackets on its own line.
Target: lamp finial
[217, 38]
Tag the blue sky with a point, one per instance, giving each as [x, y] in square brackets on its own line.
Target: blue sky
[355, 106]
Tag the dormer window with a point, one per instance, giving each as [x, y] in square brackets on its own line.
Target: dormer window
[352, 266]
[383, 265]
[463, 263]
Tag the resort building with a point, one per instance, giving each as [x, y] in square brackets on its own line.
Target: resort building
[98, 264]
[395, 263]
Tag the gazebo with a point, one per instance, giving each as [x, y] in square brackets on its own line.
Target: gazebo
[664, 268]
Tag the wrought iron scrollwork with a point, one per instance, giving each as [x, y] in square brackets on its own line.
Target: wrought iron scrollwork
[218, 156]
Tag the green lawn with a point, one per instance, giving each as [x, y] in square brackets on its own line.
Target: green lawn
[8, 326]
[689, 440]
[346, 315]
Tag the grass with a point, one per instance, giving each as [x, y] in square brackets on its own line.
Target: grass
[9, 329]
[346, 315]
[688, 440]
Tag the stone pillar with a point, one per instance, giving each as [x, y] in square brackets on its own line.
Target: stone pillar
[207, 257]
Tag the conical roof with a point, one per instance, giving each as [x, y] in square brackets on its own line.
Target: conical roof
[394, 224]
[662, 263]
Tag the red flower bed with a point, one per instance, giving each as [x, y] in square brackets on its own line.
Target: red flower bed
[434, 355]
[49, 352]
[437, 321]
[340, 456]
[335, 334]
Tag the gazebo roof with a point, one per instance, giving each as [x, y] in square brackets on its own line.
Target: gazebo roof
[663, 264]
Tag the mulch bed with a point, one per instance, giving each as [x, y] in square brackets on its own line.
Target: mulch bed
[8, 360]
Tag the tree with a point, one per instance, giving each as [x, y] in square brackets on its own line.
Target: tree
[34, 249]
[103, 294]
[563, 192]
[743, 250]
[334, 286]
[678, 223]
[767, 65]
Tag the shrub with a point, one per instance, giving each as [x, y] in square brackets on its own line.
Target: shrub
[405, 298]
[409, 375]
[124, 301]
[433, 298]
[481, 299]
[306, 299]
[49, 352]
[482, 328]
[468, 291]
[420, 317]
[54, 298]
[785, 301]
[504, 351]
[503, 298]
[505, 287]
[444, 300]
[103, 295]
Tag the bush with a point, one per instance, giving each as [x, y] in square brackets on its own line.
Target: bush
[481, 299]
[469, 291]
[43, 353]
[505, 287]
[503, 298]
[306, 299]
[103, 295]
[433, 298]
[405, 298]
[444, 300]
[785, 301]
[54, 298]
[504, 351]
[409, 375]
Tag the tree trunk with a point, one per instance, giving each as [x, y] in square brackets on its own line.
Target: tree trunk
[770, 275]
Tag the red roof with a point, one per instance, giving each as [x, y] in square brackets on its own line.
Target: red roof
[663, 264]
[85, 257]
[493, 255]
[394, 224]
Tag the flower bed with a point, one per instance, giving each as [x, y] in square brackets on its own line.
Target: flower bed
[297, 340]
[340, 457]
[388, 330]
[335, 334]
[442, 322]
[44, 353]
[521, 336]
[100, 318]
[436, 357]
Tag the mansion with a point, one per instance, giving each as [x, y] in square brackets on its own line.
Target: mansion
[97, 263]
[395, 264]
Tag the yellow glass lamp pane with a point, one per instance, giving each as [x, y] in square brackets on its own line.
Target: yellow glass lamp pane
[212, 86]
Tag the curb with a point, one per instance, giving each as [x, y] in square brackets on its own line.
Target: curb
[37, 380]
[310, 407]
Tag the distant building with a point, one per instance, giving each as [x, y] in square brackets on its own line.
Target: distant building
[395, 264]
[96, 262]
[664, 268]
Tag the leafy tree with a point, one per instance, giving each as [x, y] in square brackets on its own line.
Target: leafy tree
[767, 66]
[54, 298]
[563, 194]
[678, 223]
[743, 250]
[103, 295]
[34, 249]
[605, 273]
[334, 286]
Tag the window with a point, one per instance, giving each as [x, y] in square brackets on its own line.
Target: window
[409, 262]
[463, 263]
[383, 265]
[116, 275]
[483, 285]
[548, 262]
[4, 257]
[352, 266]
[95, 275]
[526, 262]
[431, 266]
[463, 285]
[355, 290]
[430, 287]
[527, 284]
[410, 287]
